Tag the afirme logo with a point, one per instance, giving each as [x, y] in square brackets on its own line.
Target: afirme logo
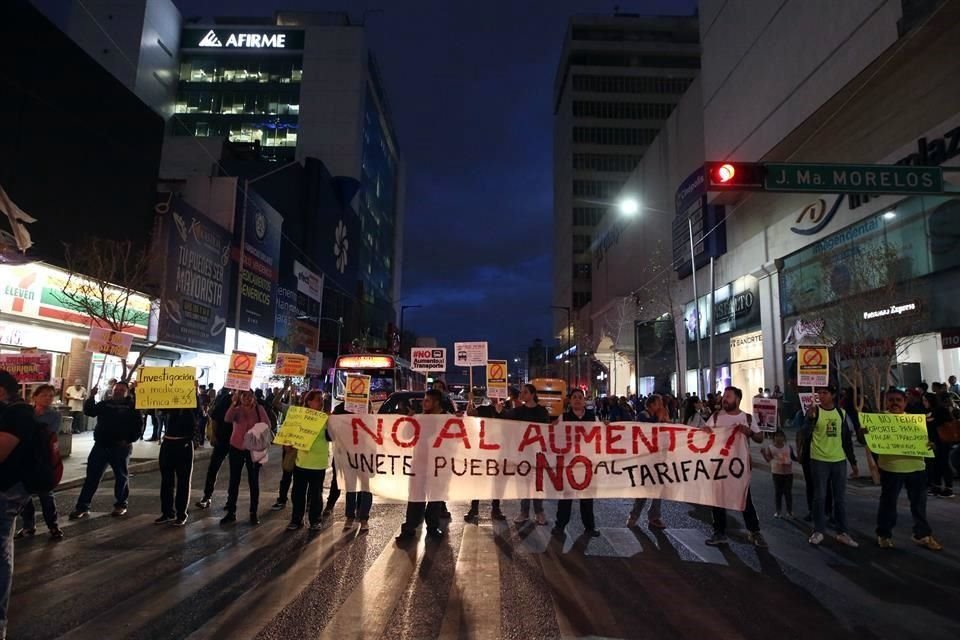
[246, 40]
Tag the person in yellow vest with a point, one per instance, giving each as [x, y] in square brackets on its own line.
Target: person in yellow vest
[830, 448]
[309, 472]
[897, 472]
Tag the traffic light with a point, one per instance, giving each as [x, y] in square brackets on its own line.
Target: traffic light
[734, 176]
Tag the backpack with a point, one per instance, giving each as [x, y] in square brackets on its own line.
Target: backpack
[42, 464]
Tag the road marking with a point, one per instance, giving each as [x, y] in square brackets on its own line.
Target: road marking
[167, 592]
[255, 609]
[693, 540]
[623, 541]
[366, 612]
[473, 607]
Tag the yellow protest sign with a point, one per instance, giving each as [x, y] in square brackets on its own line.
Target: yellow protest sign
[301, 428]
[291, 364]
[166, 388]
[813, 366]
[497, 379]
[356, 396]
[903, 434]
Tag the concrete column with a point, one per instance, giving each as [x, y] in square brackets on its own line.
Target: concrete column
[771, 324]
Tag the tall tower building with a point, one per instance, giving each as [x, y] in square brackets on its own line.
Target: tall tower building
[618, 80]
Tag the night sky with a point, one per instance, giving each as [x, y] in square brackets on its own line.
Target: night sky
[470, 88]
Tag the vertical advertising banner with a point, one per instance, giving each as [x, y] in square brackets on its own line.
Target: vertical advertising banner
[196, 296]
[261, 261]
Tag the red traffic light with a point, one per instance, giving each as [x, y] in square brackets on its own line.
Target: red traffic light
[734, 176]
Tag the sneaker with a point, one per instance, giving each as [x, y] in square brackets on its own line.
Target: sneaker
[164, 520]
[406, 537]
[497, 515]
[521, 518]
[471, 516]
[816, 538]
[348, 524]
[756, 539]
[204, 503]
[230, 518]
[25, 533]
[928, 542]
[293, 526]
[946, 493]
[717, 539]
[777, 515]
[316, 526]
[884, 543]
[364, 526]
[593, 533]
[557, 532]
[844, 538]
[790, 515]
[657, 523]
[541, 519]
[56, 533]
[278, 506]
[181, 521]
[632, 521]
[254, 519]
[118, 511]
[933, 491]
[79, 515]
[434, 533]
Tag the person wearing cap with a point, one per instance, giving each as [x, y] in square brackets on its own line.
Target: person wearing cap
[831, 447]
[897, 472]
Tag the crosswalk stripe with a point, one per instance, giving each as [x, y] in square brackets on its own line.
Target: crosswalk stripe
[474, 602]
[367, 610]
[166, 593]
[41, 554]
[47, 593]
[694, 541]
[254, 610]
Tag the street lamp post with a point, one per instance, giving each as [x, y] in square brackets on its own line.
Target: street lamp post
[403, 308]
[569, 340]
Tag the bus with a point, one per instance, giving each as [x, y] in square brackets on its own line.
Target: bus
[387, 373]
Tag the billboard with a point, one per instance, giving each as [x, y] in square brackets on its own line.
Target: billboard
[261, 261]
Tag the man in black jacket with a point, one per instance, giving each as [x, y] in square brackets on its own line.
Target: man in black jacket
[577, 413]
[118, 427]
[222, 430]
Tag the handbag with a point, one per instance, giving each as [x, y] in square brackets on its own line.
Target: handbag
[949, 432]
[289, 459]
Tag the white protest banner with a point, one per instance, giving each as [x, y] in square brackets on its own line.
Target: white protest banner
[443, 457]
[766, 413]
[107, 342]
[428, 359]
[470, 354]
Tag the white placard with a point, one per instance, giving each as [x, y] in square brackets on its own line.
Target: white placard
[470, 354]
[428, 359]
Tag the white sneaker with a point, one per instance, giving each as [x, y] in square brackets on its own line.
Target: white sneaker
[844, 538]
[816, 538]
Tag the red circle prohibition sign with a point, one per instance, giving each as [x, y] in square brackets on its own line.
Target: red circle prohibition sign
[241, 362]
[812, 357]
[357, 385]
[496, 371]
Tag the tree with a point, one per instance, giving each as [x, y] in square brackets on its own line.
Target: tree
[105, 278]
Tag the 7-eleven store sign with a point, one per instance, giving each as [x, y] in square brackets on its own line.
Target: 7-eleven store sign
[35, 291]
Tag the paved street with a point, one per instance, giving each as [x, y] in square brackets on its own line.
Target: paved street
[130, 579]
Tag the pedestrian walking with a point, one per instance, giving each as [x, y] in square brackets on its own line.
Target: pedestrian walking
[176, 465]
[219, 433]
[654, 411]
[831, 448]
[118, 427]
[76, 394]
[530, 411]
[244, 414]
[309, 471]
[730, 415]
[781, 457]
[43, 412]
[897, 473]
[577, 412]
[19, 431]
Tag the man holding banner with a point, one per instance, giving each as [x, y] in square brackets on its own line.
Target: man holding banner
[897, 472]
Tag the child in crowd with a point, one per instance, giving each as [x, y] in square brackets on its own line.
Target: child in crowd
[781, 457]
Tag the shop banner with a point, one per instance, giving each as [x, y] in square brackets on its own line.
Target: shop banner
[308, 283]
[196, 284]
[240, 373]
[261, 261]
[427, 359]
[442, 457]
[301, 428]
[470, 354]
[356, 397]
[813, 366]
[291, 365]
[27, 367]
[766, 413]
[497, 379]
[110, 343]
[166, 388]
[903, 434]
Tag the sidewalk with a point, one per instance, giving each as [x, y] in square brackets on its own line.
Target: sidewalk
[145, 458]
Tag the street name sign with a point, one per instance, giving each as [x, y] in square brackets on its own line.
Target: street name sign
[852, 178]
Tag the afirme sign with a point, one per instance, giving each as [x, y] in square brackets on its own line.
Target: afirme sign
[850, 178]
[241, 39]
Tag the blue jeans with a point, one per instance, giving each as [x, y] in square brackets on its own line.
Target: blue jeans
[11, 501]
[28, 516]
[829, 476]
[118, 458]
[359, 504]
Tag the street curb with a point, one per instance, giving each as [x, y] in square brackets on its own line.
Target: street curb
[134, 468]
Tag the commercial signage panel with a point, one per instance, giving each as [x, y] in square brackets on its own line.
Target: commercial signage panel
[242, 38]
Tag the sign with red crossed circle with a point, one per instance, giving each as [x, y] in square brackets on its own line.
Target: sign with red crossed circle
[497, 379]
[240, 372]
[356, 396]
[813, 366]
